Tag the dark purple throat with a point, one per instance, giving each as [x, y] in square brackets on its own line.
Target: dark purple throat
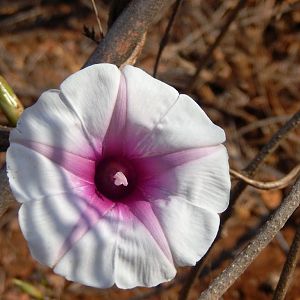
[115, 178]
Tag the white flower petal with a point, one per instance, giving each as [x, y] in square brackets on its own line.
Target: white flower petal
[139, 261]
[190, 230]
[148, 101]
[33, 176]
[118, 249]
[142, 210]
[50, 122]
[184, 126]
[46, 224]
[91, 260]
[91, 93]
[205, 182]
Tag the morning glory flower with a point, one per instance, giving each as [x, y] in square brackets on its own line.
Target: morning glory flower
[121, 178]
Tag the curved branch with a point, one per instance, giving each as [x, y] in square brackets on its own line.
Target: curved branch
[127, 31]
[270, 185]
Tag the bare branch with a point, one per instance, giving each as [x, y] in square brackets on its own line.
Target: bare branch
[268, 231]
[165, 38]
[205, 59]
[127, 31]
[289, 267]
[277, 184]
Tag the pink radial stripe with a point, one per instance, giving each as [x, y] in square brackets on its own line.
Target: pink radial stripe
[80, 166]
[143, 211]
[113, 140]
[149, 167]
[96, 208]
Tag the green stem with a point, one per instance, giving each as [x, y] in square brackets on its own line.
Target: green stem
[9, 102]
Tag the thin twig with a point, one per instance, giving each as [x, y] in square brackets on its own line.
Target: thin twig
[268, 231]
[262, 123]
[271, 185]
[127, 31]
[165, 38]
[289, 267]
[205, 59]
[98, 19]
[237, 190]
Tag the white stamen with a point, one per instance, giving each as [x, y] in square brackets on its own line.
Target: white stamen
[120, 179]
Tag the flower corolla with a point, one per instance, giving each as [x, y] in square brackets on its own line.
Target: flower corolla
[121, 178]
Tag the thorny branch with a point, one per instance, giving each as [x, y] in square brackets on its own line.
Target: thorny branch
[268, 231]
[289, 267]
[238, 189]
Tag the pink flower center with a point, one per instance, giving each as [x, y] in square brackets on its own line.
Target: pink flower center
[115, 178]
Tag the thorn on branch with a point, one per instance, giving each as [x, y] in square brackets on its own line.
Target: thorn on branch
[90, 33]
